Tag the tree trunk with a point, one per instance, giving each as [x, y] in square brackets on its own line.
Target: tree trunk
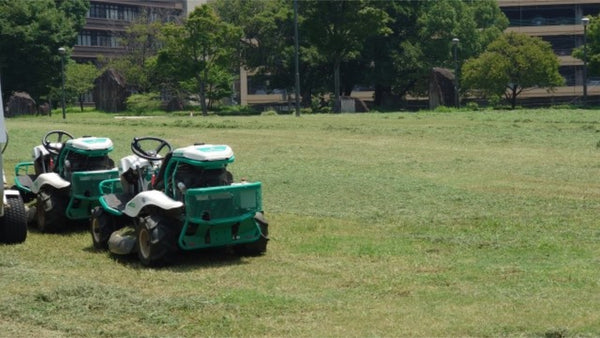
[513, 101]
[336, 86]
[306, 96]
[81, 102]
[202, 83]
[380, 92]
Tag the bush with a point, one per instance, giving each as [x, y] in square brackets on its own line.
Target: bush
[236, 110]
[494, 100]
[444, 109]
[472, 106]
[142, 103]
[269, 112]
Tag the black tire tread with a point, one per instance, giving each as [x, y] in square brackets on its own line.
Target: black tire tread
[55, 219]
[13, 227]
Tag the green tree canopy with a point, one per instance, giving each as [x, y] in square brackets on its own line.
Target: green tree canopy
[141, 42]
[30, 34]
[511, 64]
[338, 29]
[268, 45]
[391, 45]
[474, 23]
[204, 42]
[79, 79]
[592, 46]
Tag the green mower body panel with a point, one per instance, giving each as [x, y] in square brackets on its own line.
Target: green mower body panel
[85, 192]
[221, 216]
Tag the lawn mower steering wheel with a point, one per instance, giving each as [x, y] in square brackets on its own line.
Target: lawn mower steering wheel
[151, 155]
[48, 144]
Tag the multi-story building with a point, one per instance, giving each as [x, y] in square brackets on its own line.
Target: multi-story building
[107, 19]
[559, 23]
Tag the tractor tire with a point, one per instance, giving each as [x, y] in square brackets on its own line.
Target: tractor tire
[13, 226]
[102, 225]
[50, 211]
[258, 247]
[156, 241]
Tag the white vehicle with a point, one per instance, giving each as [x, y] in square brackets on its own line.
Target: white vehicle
[13, 217]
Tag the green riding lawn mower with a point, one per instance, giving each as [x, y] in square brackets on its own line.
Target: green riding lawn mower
[63, 178]
[181, 201]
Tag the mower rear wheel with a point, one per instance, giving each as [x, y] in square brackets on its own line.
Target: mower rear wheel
[102, 226]
[13, 226]
[155, 241]
[50, 210]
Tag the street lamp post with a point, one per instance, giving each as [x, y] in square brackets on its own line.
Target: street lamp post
[454, 49]
[61, 51]
[585, 22]
[297, 71]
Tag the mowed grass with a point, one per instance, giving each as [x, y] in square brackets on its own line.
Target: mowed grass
[396, 224]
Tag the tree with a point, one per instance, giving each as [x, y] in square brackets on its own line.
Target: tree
[400, 63]
[338, 30]
[79, 79]
[267, 47]
[511, 64]
[141, 42]
[30, 34]
[201, 44]
[396, 59]
[592, 47]
[474, 23]
[395, 53]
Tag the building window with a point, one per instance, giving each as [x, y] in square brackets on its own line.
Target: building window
[84, 38]
[112, 12]
[569, 74]
[541, 15]
[562, 45]
[97, 38]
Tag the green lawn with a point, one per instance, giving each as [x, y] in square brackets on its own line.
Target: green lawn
[396, 224]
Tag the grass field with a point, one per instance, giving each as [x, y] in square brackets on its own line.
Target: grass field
[396, 224]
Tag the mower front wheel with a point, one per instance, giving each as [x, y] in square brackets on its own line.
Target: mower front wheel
[101, 227]
[155, 241]
[50, 211]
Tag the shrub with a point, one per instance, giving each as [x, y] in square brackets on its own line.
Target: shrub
[444, 109]
[494, 100]
[472, 106]
[269, 112]
[141, 103]
[236, 110]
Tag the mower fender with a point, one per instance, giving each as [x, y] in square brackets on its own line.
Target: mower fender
[151, 197]
[10, 192]
[51, 179]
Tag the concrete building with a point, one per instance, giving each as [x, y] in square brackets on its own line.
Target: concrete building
[560, 24]
[107, 19]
